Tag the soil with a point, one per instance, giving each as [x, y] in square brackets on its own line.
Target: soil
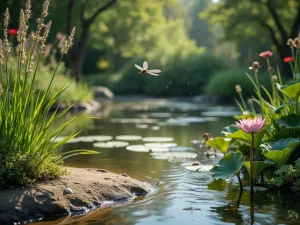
[79, 192]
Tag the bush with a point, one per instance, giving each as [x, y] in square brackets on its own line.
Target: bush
[27, 151]
[223, 83]
[181, 76]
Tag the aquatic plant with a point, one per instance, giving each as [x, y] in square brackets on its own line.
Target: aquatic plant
[27, 153]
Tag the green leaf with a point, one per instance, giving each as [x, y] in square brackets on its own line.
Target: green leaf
[291, 89]
[258, 167]
[291, 121]
[280, 157]
[278, 109]
[228, 166]
[230, 129]
[246, 137]
[219, 143]
[282, 144]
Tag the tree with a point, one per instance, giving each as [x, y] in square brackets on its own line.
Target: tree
[272, 21]
[77, 53]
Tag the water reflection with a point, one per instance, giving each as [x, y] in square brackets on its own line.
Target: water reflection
[176, 188]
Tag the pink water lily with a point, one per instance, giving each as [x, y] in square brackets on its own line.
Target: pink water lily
[251, 125]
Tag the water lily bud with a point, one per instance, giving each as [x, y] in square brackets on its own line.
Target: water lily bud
[255, 65]
[274, 78]
[238, 88]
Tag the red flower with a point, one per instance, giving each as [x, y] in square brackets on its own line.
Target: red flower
[266, 54]
[288, 59]
[13, 31]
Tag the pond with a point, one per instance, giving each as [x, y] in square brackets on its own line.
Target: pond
[180, 196]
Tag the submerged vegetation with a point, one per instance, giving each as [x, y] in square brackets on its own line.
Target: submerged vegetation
[272, 150]
[27, 153]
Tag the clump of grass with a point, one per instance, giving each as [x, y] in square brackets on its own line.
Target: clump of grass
[27, 153]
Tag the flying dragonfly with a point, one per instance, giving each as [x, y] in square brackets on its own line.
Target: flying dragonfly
[144, 70]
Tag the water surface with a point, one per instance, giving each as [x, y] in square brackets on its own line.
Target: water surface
[176, 189]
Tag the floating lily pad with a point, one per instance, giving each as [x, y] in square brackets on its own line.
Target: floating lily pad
[155, 128]
[95, 138]
[200, 168]
[255, 188]
[138, 148]
[221, 113]
[160, 145]
[158, 149]
[134, 120]
[111, 144]
[180, 148]
[157, 139]
[189, 120]
[141, 126]
[128, 138]
[173, 122]
[173, 155]
[196, 142]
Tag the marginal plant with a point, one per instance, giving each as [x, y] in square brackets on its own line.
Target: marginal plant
[27, 153]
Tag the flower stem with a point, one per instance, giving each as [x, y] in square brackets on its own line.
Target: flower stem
[240, 182]
[251, 162]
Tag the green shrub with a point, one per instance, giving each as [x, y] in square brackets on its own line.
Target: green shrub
[223, 83]
[27, 151]
[181, 76]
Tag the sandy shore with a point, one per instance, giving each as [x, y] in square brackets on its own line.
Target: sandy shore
[86, 190]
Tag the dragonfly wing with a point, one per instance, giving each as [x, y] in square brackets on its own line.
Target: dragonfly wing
[154, 74]
[138, 67]
[145, 65]
[154, 71]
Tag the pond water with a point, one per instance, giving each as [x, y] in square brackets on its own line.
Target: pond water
[177, 190]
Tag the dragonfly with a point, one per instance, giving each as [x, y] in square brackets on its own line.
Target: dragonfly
[144, 69]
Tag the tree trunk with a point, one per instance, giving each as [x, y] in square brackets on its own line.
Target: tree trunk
[77, 54]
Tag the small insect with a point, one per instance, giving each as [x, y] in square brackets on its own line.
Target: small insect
[145, 69]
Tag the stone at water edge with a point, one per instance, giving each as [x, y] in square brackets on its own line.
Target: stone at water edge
[68, 190]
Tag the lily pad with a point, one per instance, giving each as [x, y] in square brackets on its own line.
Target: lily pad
[94, 138]
[282, 144]
[60, 138]
[200, 168]
[230, 129]
[291, 121]
[155, 128]
[180, 148]
[246, 137]
[291, 89]
[228, 166]
[158, 149]
[258, 167]
[255, 188]
[173, 155]
[196, 142]
[219, 143]
[160, 145]
[138, 148]
[141, 126]
[111, 144]
[280, 157]
[128, 138]
[157, 139]
[134, 120]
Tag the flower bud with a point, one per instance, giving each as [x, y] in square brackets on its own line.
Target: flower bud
[250, 101]
[274, 78]
[238, 88]
[255, 65]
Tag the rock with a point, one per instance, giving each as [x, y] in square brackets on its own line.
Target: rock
[68, 190]
[103, 92]
[47, 198]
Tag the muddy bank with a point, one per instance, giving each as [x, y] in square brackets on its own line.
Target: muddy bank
[81, 191]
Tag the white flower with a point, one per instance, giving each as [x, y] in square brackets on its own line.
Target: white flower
[145, 69]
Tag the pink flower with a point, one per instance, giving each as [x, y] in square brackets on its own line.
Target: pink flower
[251, 125]
[266, 54]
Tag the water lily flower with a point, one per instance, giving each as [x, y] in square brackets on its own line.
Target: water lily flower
[266, 54]
[251, 125]
[288, 59]
[13, 31]
[145, 69]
